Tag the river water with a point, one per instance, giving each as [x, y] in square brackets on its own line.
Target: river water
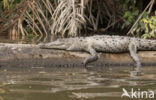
[41, 83]
[97, 83]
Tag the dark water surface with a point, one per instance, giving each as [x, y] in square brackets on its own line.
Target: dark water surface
[24, 40]
[41, 83]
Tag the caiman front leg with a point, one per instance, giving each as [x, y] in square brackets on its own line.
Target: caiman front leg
[91, 58]
[134, 55]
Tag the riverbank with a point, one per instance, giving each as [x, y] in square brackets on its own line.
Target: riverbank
[29, 55]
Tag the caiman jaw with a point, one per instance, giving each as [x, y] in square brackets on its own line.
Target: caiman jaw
[61, 46]
[57, 45]
[54, 45]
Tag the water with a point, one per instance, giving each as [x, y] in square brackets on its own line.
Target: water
[23, 40]
[72, 83]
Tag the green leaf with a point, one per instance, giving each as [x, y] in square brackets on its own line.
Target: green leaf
[145, 20]
[152, 26]
[6, 4]
[127, 14]
[136, 12]
[127, 1]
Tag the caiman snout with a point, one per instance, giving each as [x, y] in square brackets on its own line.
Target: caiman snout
[53, 45]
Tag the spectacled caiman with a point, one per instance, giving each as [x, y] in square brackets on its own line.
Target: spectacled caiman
[103, 43]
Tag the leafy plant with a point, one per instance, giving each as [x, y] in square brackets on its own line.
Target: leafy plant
[139, 27]
[129, 17]
[149, 26]
[130, 11]
[6, 4]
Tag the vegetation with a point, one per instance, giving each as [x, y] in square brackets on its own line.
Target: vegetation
[149, 26]
[140, 27]
[47, 18]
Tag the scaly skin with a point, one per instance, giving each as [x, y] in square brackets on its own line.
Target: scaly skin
[103, 43]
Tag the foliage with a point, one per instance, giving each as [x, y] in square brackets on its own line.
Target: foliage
[149, 26]
[146, 26]
[139, 27]
[129, 17]
[65, 17]
[130, 11]
[68, 17]
[127, 4]
[6, 4]
[47, 18]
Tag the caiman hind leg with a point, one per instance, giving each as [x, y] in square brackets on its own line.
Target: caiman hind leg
[134, 55]
[91, 58]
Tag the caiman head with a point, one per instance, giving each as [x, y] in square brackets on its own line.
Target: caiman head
[65, 44]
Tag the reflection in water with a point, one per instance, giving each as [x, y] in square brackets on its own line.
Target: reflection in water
[1, 98]
[72, 84]
[30, 39]
[18, 39]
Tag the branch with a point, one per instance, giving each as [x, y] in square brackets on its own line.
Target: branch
[150, 3]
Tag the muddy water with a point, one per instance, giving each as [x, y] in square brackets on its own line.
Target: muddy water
[41, 83]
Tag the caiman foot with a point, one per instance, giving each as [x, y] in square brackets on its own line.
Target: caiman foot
[137, 71]
[138, 67]
[86, 65]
